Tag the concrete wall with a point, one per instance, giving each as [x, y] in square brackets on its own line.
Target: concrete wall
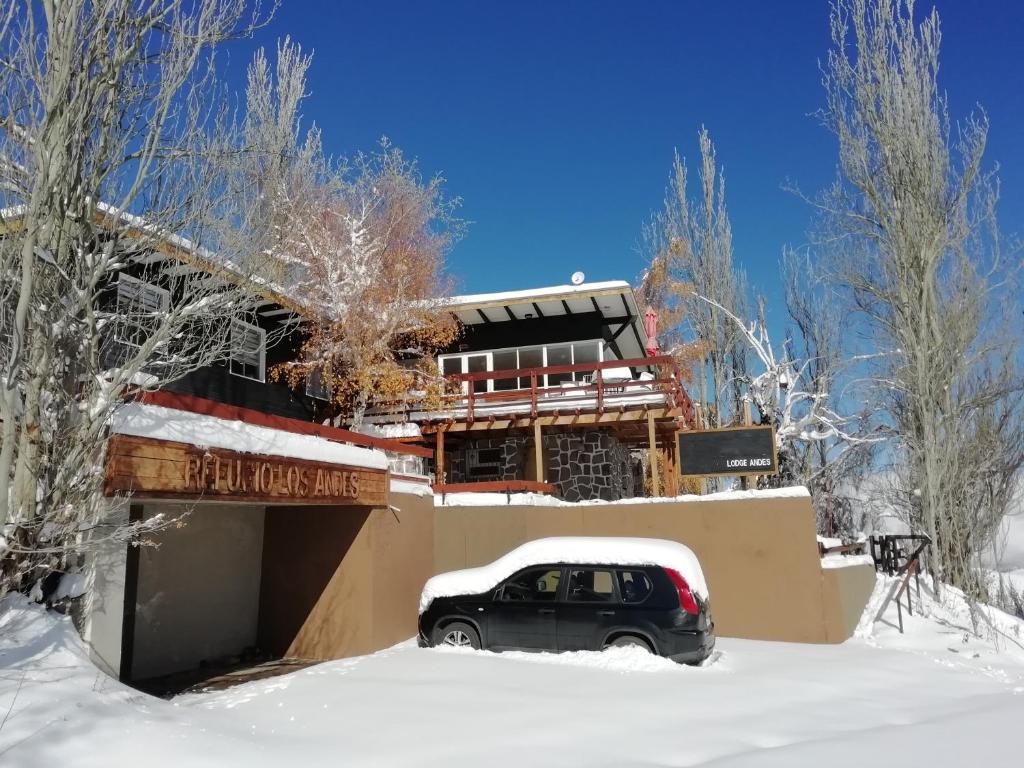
[759, 556]
[198, 591]
[342, 581]
[103, 609]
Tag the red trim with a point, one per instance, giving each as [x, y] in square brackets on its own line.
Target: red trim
[412, 478]
[258, 418]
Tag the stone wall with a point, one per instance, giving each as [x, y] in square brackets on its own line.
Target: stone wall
[589, 465]
[510, 467]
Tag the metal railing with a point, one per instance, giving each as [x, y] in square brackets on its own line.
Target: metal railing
[893, 556]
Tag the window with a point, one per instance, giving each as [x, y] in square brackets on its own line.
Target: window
[483, 463]
[590, 586]
[506, 360]
[139, 305]
[559, 354]
[581, 352]
[634, 586]
[248, 350]
[535, 584]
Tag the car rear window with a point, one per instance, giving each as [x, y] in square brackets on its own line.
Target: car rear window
[634, 586]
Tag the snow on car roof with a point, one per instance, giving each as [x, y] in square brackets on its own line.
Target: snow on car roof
[604, 550]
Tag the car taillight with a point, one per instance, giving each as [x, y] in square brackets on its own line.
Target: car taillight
[686, 599]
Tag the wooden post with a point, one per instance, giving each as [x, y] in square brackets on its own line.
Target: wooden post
[439, 457]
[747, 418]
[538, 452]
[653, 448]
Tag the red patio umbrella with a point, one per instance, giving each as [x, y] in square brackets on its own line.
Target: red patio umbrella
[651, 328]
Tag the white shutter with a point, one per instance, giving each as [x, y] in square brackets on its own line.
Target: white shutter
[248, 350]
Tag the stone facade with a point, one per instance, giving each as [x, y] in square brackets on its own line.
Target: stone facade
[510, 452]
[589, 465]
[584, 465]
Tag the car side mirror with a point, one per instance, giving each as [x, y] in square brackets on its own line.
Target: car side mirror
[542, 585]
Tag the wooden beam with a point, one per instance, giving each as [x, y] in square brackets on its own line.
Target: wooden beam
[538, 452]
[652, 443]
[439, 458]
[619, 415]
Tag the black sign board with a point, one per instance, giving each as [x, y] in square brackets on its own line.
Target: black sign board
[729, 451]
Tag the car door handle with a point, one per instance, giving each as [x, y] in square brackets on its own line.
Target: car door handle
[545, 610]
[606, 613]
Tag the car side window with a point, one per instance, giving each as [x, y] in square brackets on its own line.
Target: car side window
[634, 586]
[536, 584]
[589, 585]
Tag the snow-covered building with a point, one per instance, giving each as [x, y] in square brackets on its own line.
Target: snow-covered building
[558, 390]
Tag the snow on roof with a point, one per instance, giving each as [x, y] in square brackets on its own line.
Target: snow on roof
[590, 550]
[538, 293]
[159, 423]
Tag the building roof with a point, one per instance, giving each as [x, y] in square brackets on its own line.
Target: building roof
[612, 299]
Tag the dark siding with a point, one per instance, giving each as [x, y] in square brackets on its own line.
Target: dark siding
[524, 333]
[217, 383]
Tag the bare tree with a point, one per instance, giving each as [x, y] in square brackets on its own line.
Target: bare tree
[131, 238]
[834, 466]
[691, 243]
[911, 226]
[792, 395]
[366, 250]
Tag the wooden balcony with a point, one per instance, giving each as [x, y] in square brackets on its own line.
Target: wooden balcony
[595, 391]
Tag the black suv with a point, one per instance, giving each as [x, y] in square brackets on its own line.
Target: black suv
[563, 607]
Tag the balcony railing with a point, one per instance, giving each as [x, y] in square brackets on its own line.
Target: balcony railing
[598, 392]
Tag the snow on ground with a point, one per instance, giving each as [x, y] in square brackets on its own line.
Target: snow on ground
[935, 696]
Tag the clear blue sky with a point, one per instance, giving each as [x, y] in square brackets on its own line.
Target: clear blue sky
[555, 121]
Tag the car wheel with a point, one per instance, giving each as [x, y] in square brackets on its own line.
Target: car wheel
[458, 634]
[629, 641]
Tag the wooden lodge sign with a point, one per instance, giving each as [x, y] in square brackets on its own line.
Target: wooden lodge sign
[158, 469]
[728, 451]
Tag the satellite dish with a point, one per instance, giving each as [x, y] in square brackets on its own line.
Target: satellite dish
[578, 278]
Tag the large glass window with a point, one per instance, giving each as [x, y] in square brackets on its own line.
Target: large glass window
[506, 360]
[559, 354]
[531, 358]
[578, 352]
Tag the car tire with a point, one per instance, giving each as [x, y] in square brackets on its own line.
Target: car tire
[630, 641]
[458, 634]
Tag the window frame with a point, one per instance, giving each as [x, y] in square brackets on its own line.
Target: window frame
[542, 380]
[324, 396]
[125, 279]
[619, 572]
[559, 593]
[262, 351]
[615, 599]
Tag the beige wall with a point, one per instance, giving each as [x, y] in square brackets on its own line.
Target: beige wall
[342, 581]
[759, 556]
[846, 593]
[198, 591]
